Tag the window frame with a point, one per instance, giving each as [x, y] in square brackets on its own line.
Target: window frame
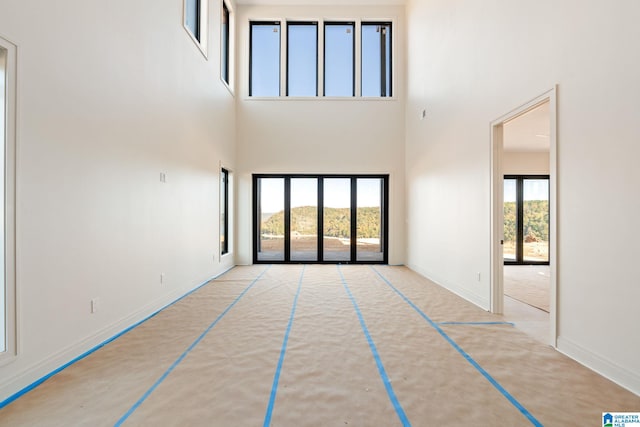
[226, 44]
[252, 23]
[520, 179]
[9, 144]
[320, 259]
[202, 29]
[224, 203]
[353, 59]
[383, 63]
[302, 23]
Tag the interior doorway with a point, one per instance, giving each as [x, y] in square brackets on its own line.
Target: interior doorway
[524, 246]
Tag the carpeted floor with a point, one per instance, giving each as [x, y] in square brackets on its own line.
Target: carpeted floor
[529, 284]
[322, 345]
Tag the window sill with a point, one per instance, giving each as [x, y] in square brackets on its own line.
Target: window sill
[321, 98]
[228, 86]
[201, 46]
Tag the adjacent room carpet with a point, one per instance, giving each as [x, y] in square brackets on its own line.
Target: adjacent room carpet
[530, 284]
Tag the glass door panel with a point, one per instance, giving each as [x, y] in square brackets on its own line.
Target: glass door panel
[270, 219]
[369, 219]
[535, 219]
[510, 220]
[336, 239]
[304, 219]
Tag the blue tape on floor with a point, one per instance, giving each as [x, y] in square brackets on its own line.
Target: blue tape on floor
[464, 354]
[187, 351]
[36, 383]
[476, 323]
[376, 356]
[276, 377]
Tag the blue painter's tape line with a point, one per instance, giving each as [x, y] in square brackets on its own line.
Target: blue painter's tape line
[187, 351]
[464, 354]
[39, 381]
[276, 377]
[376, 357]
[476, 323]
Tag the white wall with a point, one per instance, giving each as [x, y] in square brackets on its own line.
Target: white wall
[525, 163]
[471, 62]
[110, 95]
[321, 135]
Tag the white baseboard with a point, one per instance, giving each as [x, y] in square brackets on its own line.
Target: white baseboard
[462, 292]
[619, 375]
[24, 380]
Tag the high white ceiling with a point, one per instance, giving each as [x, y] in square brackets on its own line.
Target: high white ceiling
[321, 2]
[528, 132]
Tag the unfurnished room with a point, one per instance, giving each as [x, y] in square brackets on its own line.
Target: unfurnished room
[319, 213]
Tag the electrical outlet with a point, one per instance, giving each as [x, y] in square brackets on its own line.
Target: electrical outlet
[94, 305]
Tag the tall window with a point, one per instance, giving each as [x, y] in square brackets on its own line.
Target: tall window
[7, 195]
[339, 61]
[224, 211]
[264, 59]
[302, 59]
[320, 218]
[195, 22]
[376, 59]
[192, 17]
[225, 45]
[526, 219]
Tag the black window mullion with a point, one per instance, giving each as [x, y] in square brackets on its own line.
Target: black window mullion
[320, 225]
[251, 59]
[519, 222]
[383, 61]
[353, 60]
[225, 206]
[385, 220]
[354, 218]
[287, 219]
[256, 217]
[389, 63]
[226, 24]
[197, 23]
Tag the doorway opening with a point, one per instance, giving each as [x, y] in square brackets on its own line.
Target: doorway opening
[320, 218]
[523, 215]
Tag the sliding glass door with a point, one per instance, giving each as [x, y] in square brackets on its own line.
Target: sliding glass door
[320, 218]
[526, 219]
[270, 208]
[304, 219]
[369, 219]
[336, 230]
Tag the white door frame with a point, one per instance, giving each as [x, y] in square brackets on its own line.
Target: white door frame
[497, 204]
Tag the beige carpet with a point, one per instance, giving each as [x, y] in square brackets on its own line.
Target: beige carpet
[529, 284]
[364, 347]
